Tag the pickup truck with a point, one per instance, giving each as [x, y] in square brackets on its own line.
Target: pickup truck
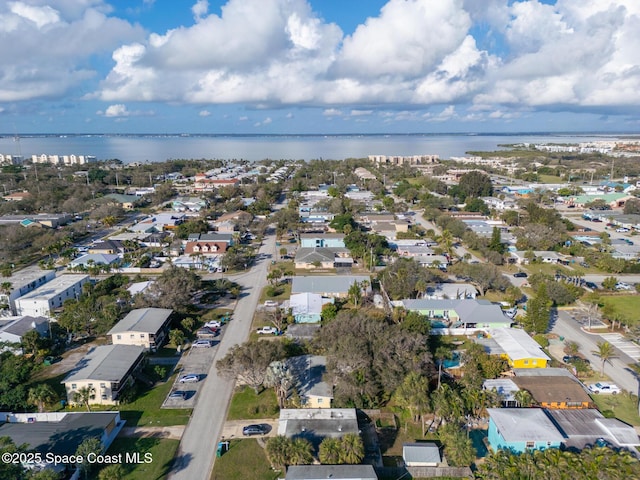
[267, 331]
[602, 387]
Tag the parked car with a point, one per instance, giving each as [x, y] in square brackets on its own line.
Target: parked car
[596, 220]
[584, 264]
[271, 303]
[213, 324]
[574, 358]
[202, 344]
[623, 286]
[190, 378]
[267, 331]
[178, 394]
[520, 275]
[591, 285]
[622, 230]
[602, 387]
[254, 430]
[208, 332]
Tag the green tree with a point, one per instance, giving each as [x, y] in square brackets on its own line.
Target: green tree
[329, 451]
[523, 398]
[112, 472]
[300, 452]
[413, 394]
[458, 447]
[538, 311]
[278, 449]
[31, 342]
[42, 394]
[609, 283]
[91, 445]
[329, 312]
[84, 396]
[606, 352]
[495, 244]
[352, 449]
[177, 338]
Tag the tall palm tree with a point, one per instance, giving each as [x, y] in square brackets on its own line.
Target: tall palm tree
[606, 352]
[300, 452]
[84, 395]
[41, 395]
[352, 449]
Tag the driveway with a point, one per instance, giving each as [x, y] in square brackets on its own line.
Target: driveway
[232, 429]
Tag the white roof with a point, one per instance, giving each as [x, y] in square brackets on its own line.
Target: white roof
[55, 287]
[306, 303]
[517, 344]
[524, 424]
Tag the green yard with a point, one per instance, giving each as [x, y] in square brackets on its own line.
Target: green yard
[622, 406]
[626, 305]
[245, 404]
[161, 455]
[245, 459]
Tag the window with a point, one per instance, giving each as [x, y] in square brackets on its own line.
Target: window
[103, 385]
[119, 337]
[526, 362]
[142, 335]
[132, 335]
[73, 386]
[104, 396]
[90, 385]
[531, 444]
[320, 400]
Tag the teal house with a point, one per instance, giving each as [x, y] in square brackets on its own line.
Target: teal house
[322, 240]
[466, 313]
[521, 429]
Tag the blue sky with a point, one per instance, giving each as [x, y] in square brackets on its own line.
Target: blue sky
[319, 66]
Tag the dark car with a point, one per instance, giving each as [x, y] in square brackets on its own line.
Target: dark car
[591, 285]
[254, 430]
[520, 275]
[574, 358]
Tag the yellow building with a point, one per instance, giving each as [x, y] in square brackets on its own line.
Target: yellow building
[518, 348]
[146, 327]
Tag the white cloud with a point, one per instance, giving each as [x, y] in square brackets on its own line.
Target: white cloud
[447, 114]
[358, 113]
[204, 113]
[41, 16]
[200, 9]
[332, 112]
[120, 111]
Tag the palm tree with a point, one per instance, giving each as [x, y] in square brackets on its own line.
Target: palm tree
[84, 395]
[176, 338]
[42, 394]
[300, 452]
[523, 398]
[446, 242]
[606, 352]
[330, 450]
[112, 472]
[352, 449]
[278, 451]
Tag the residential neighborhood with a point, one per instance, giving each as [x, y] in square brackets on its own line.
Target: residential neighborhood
[381, 318]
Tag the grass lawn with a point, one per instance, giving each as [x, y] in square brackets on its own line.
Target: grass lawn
[162, 452]
[284, 292]
[244, 460]
[245, 404]
[623, 406]
[627, 305]
[550, 179]
[145, 410]
[215, 314]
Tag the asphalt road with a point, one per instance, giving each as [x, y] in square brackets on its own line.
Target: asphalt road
[618, 370]
[197, 451]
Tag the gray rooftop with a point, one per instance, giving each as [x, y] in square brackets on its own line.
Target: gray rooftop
[425, 452]
[308, 371]
[315, 254]
[334, 472]
[109, 363]
[149, 320]
[524, 424]
[62, 437]
[316, 424]
[56, 286]
[25, 276]
[583, 427]
[326, 284]
[21, 325]
[469, 310]
[210, 237]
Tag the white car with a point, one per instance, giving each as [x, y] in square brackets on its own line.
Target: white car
[190, 378]
[622, 230]
[201, 344]
[267, 331]
[602, 387]
[213, 324]
[623, 286]
[271, 303]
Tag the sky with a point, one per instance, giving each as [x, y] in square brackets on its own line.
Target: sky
[319, 66]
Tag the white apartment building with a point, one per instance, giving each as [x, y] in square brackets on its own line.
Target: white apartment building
[45, 299]
[22, 282]
[63, 159]
[404, 160]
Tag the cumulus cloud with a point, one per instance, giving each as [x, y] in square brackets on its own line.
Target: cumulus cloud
[204, 113]
[200, 9]
[332, 112]
[120, 111]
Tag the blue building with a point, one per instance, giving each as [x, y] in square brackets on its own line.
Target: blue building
[521, 429]
[324, 240]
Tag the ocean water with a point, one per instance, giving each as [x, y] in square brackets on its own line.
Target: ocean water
[158, 148]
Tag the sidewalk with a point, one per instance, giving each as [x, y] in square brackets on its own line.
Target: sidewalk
[174, 432]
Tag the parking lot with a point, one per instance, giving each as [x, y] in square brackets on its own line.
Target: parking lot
[193, 361]
[625, 346]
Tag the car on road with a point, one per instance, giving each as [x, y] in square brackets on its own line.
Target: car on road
[596, 220]
[178, 394]
[574, 358]
[254, 430]
[202, 344]
[602, 387]
[520, 275]
[190, 378]
[591, 285]
[267, 331]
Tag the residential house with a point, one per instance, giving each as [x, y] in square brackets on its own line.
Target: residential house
[60, 433]
[189, 204]
[451, 290]
[521, 429]
[45, 299]
[13, 329]
[302, 331]
[107, 247]
[146, 327]
[424, 454]
[505, 388]
[159, 223]
[517, 348]
[322, 257]
[500, 204]
[91, 259]
[208, 243]
[127, 202]
[307, 307]
[22, 282]
[51, 220]
[334, 472]
[316, 424]
[308, 371]
[335, 286]
[462, 314]
[614, 200]
[107, 369]
[325, 240]
[555, 392]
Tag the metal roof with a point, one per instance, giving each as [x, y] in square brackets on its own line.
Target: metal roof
[334, 472]
[524, 425]
[55, 287]
[148, 320]
[109, 363]
[517, 344]
[426, 452]
[326, 284]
